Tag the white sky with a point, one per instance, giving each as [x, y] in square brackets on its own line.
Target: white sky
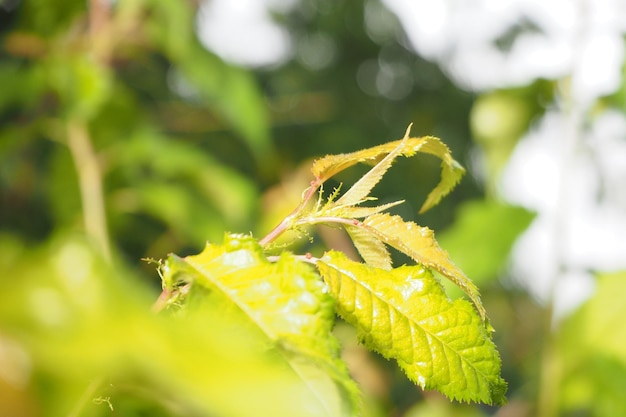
[575, 179]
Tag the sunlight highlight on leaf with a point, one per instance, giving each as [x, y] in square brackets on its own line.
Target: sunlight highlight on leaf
[419, 243]
[287, 302]
[405, 314]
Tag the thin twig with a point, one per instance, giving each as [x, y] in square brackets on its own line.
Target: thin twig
[90, 184]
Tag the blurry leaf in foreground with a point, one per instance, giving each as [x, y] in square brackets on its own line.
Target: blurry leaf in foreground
[78, 321]
[285, 302]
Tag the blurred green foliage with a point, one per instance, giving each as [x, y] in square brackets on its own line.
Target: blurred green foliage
[121, 137]
[490, 229]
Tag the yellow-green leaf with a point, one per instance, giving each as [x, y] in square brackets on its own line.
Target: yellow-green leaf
[358, 212]
[361, 189]
[451, 171]
[372, 250]
[285, 301]
[405, 314]
[82, 328]
[419, 243]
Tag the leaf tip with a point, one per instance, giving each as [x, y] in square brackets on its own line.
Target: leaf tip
[408, 131]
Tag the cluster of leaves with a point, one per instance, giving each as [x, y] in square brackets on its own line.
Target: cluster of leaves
[403, 313]
[129, 89]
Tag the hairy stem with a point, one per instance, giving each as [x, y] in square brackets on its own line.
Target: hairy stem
[292, 218]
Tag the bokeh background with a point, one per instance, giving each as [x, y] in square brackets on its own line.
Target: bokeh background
[132, 129]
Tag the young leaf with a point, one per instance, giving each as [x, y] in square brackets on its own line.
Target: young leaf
[359, 212]
[285, 300]
[451, 171]
[419, 243]
[405, 314]
[372, 250]
[364, 185]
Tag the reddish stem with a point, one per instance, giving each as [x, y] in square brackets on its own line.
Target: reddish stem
[288, 221]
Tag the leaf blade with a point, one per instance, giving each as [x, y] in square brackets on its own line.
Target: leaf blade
[286, 302]
[451, 171]
[371, 249]
[404, 314]
[419, 243]
[360, 212]
[364, 185]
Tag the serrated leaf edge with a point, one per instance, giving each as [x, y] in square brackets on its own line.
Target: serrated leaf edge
[364, 185]
[284, 351]
[422, 383]
[456, 275]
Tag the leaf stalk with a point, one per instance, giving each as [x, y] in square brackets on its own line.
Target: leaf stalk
[292, 218]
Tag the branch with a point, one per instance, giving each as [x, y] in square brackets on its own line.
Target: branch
[90, 184]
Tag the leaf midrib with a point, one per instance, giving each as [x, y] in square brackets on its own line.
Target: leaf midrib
[391, 306]
[247, 311]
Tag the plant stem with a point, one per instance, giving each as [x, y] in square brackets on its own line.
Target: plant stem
[290, 220]
[90, 184]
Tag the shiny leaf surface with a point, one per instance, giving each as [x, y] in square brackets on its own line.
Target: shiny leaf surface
[419, 243]
[404, 314]
[285, 301]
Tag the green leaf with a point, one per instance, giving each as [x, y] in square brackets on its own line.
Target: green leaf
[361, 189]
[419, 243]
[372, 250]
[72, 320]
[285, 301]
[451, 171]
[82, 84]
[181, 190]
[234, 93]
[405, 314]
[359, 212]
